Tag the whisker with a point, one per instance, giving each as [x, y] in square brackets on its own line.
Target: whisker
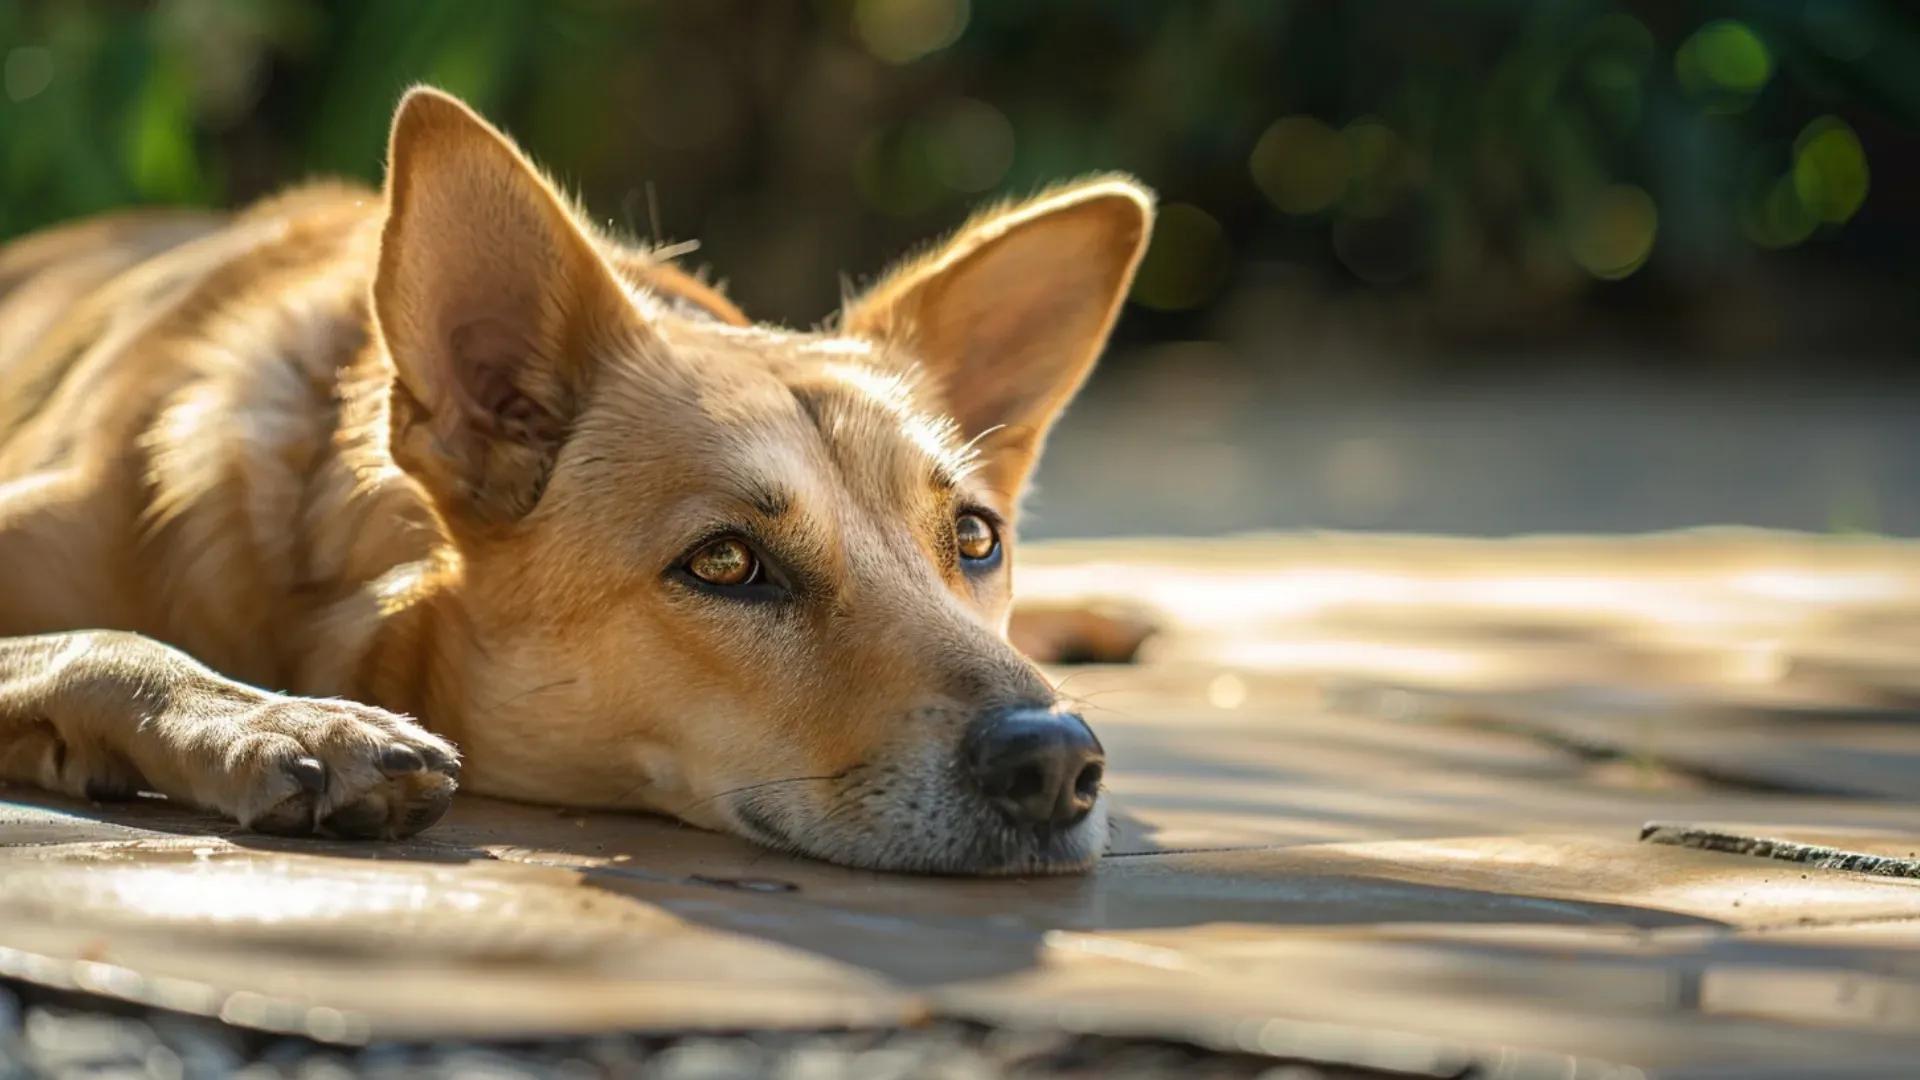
[1098, 694]
[842, 809]
[755, 787]
[973, 443]
[1087, 704]
[1061, 688]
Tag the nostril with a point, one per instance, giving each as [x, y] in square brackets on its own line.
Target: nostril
[1028, 781]
[1087, 784]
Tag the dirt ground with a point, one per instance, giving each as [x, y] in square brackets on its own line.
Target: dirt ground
[1388, 805]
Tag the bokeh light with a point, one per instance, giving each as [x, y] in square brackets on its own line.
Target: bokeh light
[902, 31]
[1830, 170]
[1773, 216]
[1518, 154]
[1613, 231]
[1824, 183]
[1724, 64]
[971, 145]
[1301, 164]
[1381, 165]
[27, 71]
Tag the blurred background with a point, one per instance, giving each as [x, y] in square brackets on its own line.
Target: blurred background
[1483, 266]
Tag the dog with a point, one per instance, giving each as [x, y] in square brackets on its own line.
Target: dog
[312, 513]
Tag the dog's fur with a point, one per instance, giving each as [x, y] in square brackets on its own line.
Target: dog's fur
[442, 452]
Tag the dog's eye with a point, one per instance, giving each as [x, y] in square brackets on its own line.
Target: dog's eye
[975, 537]
[725, 562]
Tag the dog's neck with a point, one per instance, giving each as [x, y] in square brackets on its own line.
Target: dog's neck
[390, 629]
[417, 658]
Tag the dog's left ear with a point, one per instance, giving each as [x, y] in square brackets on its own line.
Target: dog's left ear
[1009, 315]
[490, 298]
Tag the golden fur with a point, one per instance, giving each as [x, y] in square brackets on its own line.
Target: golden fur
[435, 452]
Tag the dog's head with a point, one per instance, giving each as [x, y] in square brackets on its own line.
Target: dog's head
[752, 577]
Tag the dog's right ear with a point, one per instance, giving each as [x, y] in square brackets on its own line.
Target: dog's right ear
[490, 299]
[1008, 316]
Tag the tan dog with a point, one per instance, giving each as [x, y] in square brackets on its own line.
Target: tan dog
[448, 453]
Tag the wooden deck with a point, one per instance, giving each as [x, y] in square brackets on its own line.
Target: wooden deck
[1381, 804]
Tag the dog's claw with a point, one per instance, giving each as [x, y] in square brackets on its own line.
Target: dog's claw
[309, 774]
[344, 770]
[442, 762]
[400, 759]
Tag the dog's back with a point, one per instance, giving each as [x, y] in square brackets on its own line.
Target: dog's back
[170, 379]
[46, 281]
[77, 296]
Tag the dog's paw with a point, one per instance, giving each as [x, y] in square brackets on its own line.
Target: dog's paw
[305, 766]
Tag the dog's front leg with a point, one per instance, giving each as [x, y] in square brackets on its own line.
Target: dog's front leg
[104, 714]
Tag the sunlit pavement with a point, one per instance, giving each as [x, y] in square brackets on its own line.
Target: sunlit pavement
[1381, 803]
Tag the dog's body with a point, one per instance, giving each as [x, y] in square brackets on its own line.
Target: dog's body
[442, 451]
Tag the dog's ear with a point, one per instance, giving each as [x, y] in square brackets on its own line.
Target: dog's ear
[490, 299]
[1008, 316]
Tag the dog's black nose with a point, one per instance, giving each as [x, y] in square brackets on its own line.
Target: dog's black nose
[1041, 768]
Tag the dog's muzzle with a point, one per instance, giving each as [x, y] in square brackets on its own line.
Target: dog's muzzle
[1039, 768]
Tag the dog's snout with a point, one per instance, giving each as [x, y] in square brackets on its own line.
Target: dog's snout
[1040, 768]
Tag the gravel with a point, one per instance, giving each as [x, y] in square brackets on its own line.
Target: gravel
[49, 1034]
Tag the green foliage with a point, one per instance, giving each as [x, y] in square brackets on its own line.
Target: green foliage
[1450, 146]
